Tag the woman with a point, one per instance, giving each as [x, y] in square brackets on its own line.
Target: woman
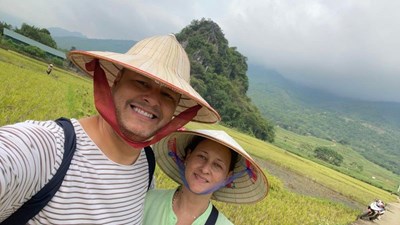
[208, 164]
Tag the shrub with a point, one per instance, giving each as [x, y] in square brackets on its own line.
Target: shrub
[328, 155]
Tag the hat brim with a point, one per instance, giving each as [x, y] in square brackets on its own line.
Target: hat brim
[245, 189]
[112, 63]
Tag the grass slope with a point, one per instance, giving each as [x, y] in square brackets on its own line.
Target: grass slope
[29, 93]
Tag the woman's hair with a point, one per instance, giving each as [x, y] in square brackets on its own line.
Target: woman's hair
[197, 139]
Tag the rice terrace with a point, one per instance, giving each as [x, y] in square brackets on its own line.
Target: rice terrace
[301, 191]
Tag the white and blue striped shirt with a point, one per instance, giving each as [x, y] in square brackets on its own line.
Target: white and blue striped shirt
[95, 189]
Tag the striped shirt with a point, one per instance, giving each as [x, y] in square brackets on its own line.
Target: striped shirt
[95, 189]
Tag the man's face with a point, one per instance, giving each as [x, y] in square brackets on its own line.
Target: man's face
[142, 106]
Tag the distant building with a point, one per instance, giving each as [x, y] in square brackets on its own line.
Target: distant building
[25, 40]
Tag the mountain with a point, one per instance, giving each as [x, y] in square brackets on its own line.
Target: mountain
[60, 32]
[120, 46]
[218, 73]
[371, 128]
[67, 40]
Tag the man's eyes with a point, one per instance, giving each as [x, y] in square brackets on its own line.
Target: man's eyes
[142, 83]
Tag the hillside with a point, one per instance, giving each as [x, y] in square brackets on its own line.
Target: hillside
[370, 128]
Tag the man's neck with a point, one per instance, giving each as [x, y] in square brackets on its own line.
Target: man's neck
[108, 141]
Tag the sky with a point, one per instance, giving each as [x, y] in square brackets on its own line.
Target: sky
[347, 47]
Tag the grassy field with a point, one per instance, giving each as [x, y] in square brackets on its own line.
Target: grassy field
[354, 164]
[29, 93]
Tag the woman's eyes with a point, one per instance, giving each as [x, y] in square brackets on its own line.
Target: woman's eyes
[216, 165]
[202, 157]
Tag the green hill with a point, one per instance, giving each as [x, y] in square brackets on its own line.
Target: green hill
[370, 128]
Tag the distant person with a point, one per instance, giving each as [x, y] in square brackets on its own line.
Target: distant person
[375, 210]
[208, 164]
[49, 69]
[141, 96]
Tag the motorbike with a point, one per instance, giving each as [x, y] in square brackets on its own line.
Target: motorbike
[375, 211]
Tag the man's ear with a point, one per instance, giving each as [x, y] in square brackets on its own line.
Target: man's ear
[119, 77]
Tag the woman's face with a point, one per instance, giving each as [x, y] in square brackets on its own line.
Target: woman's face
[207, 165]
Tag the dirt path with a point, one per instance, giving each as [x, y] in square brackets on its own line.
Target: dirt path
[391, 216]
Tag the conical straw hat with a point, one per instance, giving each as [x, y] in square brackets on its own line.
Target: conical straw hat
[249, 187]
[160, 58]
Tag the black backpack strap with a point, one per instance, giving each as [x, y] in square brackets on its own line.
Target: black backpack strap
[33, 206]
[212, 219]
[152, 163]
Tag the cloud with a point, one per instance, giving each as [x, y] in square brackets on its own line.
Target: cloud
[348, 47]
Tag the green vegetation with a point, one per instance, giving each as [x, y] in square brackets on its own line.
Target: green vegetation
[4, 25]
[219, 75]
[328, 155]
[41, 35]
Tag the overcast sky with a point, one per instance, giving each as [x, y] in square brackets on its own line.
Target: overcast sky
[348, 47]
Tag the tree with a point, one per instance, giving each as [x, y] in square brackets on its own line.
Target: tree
[4, 25]
[40, 35]
[328, 155]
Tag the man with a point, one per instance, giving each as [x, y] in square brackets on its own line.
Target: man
[141, 96]
[49, 69]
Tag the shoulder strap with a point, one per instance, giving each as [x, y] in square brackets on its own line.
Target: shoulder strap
[212, 219]
[152, 163]
[33, 206]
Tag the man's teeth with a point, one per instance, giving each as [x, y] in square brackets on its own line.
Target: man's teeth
[149, 115]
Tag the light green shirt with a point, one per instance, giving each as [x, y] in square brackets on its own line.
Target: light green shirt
[158, 210]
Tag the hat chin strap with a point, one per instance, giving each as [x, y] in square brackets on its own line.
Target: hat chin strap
[105, 106]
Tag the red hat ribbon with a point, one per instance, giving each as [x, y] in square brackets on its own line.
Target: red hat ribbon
[105, 106]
